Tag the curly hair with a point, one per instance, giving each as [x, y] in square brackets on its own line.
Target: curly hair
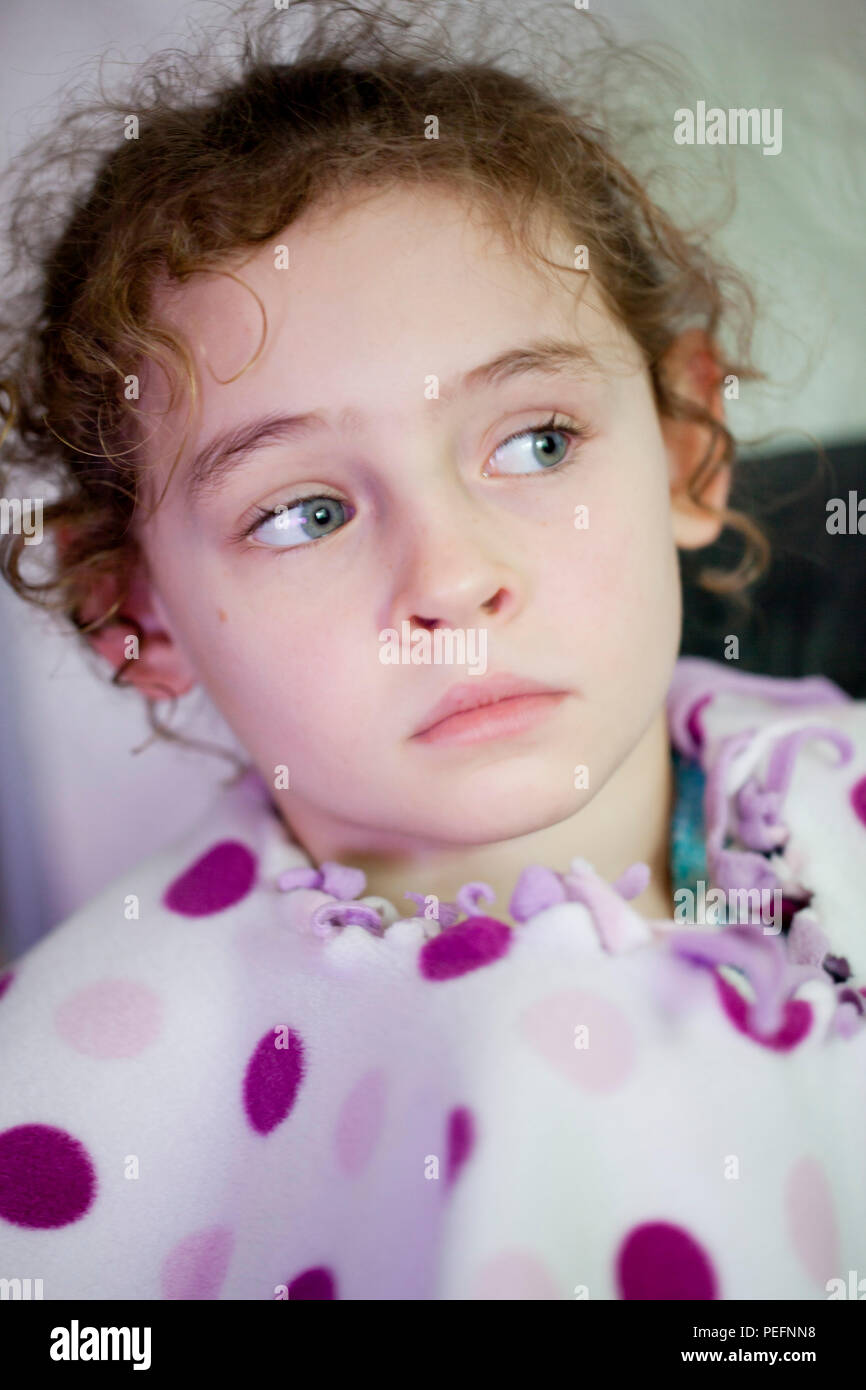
[203, 157]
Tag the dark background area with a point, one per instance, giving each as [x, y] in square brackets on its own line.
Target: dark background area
[807, 615]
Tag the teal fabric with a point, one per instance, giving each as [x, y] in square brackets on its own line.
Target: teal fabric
[688, 857]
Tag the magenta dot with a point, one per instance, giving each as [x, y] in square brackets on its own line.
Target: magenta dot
[273, 1075]
[46, 1177]
[314, 1283]
[660, 1261]
[693, 723]
[467, 946]
[796, 1017]
[196, 1267]
[858, 799]
[217, 880]
[461, 1140]
[5, 981]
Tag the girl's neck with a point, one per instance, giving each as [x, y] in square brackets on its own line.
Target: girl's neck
[628, 820]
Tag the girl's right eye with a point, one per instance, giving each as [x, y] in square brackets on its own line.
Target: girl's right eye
[296, 523]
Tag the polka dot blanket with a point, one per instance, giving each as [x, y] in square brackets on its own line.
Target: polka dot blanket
[232, 1075]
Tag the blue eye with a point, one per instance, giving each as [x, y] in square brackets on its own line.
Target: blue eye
[296, 523]
[542, 447]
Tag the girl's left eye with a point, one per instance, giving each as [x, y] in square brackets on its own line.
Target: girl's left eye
[539, 455]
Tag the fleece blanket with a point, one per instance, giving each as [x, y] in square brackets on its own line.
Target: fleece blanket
[233, 1075]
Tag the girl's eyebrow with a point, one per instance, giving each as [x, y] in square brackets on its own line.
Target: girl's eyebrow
[218, 457]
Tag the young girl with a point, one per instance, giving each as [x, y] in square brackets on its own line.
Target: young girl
[541, 977]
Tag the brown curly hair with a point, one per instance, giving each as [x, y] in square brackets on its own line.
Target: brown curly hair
[227, 153]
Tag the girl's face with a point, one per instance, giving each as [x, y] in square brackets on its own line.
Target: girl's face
[415, 492]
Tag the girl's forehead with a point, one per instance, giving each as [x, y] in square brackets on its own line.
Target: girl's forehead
[363, 299]
[397, 242]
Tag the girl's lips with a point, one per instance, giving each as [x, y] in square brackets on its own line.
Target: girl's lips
[470, 695]
[510, 715]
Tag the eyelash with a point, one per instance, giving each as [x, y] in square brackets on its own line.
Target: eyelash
[567, 427]
[559, 424]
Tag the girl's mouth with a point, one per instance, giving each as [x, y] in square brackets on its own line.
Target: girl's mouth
[501, 718]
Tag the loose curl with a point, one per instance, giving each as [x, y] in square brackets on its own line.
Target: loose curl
[229, 152]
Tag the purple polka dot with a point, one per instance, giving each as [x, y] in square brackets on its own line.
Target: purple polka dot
[47, 1178]
[272, 1078]
[217, 880]
[660, 1261]
[5, 981]
[461, 1140]
[314, 1283]
[196, 1267]
[467, 946]
[796, 1017]
[858, 799]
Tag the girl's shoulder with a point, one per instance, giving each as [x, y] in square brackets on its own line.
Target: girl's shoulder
[712, 697]
[160, 914]
[784, 797]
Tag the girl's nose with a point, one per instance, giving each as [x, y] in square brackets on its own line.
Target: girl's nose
[454, 565]
[498, 602]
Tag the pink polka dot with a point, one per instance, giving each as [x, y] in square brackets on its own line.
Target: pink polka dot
[272, 1078]
[110, 1018]
[359, 1123]
[217, 880]
[466, 946]
[858, 799]
[514, 1274]
[196, 1267]
[796, 1017]
[5, 981]
[556, 1024]
[461, 1141]
[47, 1178]
[661, 1261]
[313, 1283]
[811, 1219]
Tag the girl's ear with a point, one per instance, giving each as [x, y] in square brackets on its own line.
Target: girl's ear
[154, 663]
[692, 369]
